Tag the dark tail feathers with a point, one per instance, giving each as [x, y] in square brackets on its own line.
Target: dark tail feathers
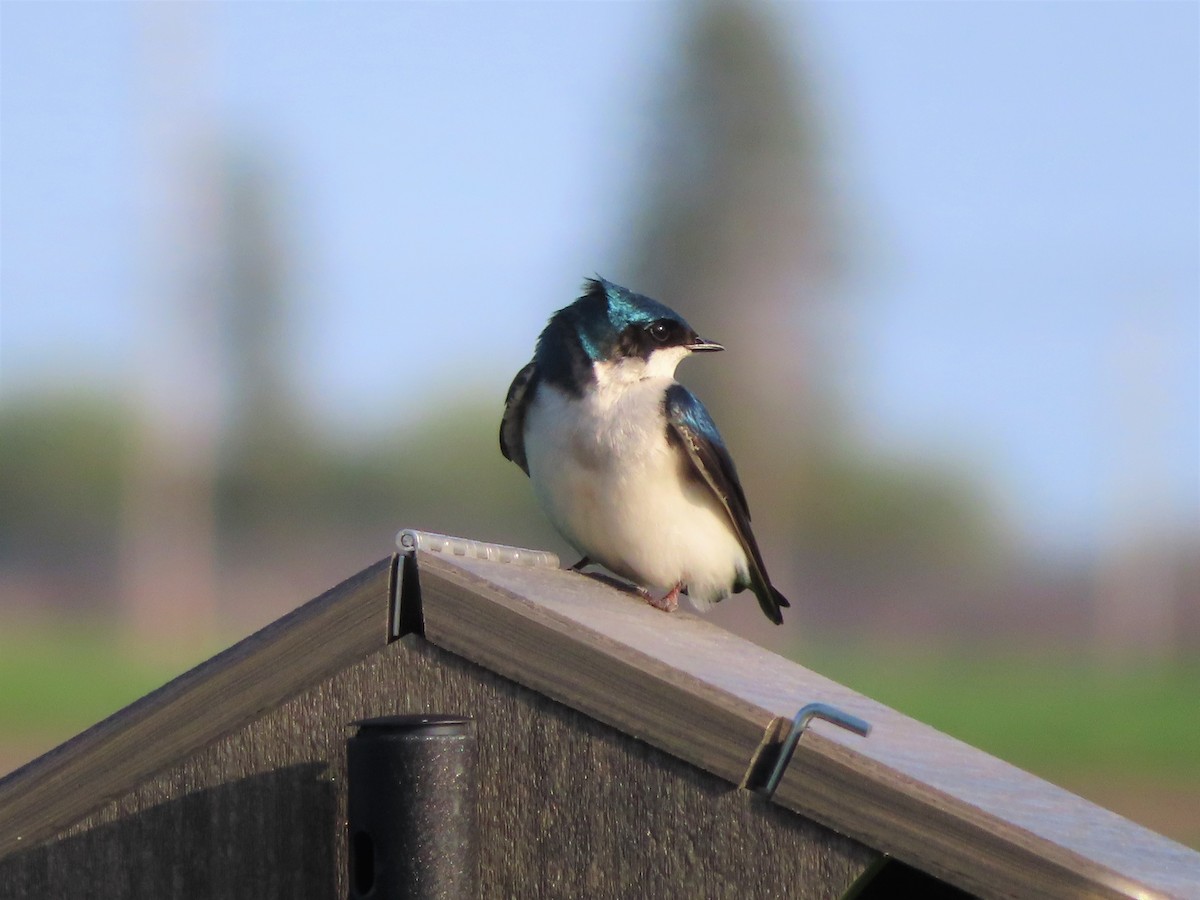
[770, 600]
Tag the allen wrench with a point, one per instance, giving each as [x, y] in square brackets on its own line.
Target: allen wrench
[805, 715]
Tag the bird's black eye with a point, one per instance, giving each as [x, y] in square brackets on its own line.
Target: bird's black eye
[660, 331]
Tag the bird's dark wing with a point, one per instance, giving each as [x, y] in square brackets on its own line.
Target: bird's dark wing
[689, 424]
[512, 426]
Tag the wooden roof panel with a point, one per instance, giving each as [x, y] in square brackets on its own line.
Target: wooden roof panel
[711, 698]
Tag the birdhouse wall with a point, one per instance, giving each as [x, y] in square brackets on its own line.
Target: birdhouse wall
[569, 807]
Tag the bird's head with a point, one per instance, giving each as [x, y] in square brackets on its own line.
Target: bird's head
[622, 335]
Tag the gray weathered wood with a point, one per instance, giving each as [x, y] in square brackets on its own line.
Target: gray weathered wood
[588, 662]
[569, 807]
[332, 631]
[624, 740]
[705, 696]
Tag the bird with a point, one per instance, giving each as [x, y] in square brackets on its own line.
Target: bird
[625, 461]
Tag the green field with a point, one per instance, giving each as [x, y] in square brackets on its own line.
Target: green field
[57, 679]
[1126, 738]
[1038, 712]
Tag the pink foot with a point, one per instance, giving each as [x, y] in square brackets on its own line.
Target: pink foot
[669, 603]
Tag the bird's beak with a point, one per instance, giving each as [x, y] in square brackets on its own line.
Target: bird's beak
[702, 346]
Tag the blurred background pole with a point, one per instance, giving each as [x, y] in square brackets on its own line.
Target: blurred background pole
[413, 808]
[168, 546]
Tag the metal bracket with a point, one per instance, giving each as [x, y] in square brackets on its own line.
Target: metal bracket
[799, 723]
[407, 615]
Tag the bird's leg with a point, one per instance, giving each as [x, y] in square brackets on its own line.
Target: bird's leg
[581, 565]
[669, 603]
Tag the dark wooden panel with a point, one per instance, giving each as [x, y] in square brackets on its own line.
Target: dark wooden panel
[334, 630]
[260, 836]
[569, 807]
[979, 823]
[613, 657]
[907, 789]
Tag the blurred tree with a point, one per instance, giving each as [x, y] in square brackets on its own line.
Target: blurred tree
[62, 461]
[737, 229]
[735, 223]
[736, 232]
[266, 450]
[255, 313]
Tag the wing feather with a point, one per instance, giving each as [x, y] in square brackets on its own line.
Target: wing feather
[689, 423]
[512, 425]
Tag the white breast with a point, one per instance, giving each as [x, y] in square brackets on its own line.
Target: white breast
[604, 473]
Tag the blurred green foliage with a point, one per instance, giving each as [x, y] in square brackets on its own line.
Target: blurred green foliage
[442, 472]
[853, 508]
[60, 675]
[63, 460]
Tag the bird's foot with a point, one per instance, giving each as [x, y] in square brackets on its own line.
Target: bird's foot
[669, 603]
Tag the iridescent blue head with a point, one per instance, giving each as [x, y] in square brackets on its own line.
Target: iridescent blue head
[612, 325]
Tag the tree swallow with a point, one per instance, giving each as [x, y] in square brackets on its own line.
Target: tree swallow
[625, 461]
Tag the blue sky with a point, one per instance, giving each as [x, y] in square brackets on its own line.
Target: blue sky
[1022, 182]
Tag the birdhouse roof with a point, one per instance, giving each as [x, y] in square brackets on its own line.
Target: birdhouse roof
[676, 682]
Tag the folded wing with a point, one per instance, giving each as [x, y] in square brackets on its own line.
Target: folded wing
[689, 423]
[512, 426]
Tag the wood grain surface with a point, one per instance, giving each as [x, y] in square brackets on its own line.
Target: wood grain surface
[332, 631]
[706, 696]
[612, 735]
[569, 807]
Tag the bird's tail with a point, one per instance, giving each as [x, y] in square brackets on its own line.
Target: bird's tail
[770, 600]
